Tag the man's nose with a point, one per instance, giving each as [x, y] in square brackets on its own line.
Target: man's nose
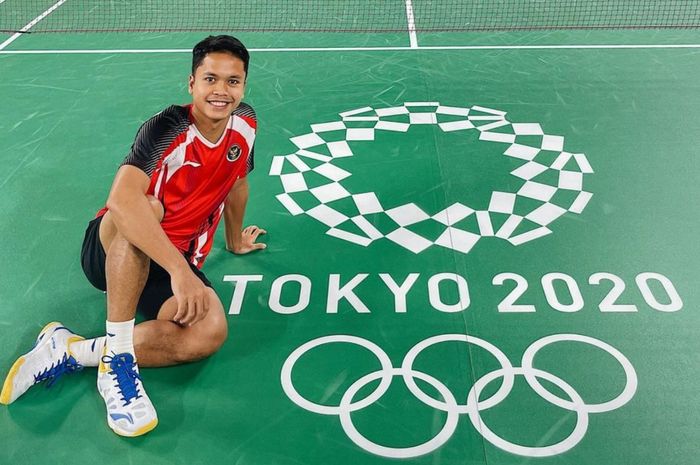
[220, 87]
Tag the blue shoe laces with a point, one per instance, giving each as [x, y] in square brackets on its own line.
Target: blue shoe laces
[124, 371]
[67, 364]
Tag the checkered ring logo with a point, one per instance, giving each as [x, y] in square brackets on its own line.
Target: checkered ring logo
[529, 208]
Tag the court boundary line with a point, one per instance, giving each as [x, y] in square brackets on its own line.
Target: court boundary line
[31, 24]
[410, 18]
[368, 49]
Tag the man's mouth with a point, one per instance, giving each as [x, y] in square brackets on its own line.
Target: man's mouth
[219, 103]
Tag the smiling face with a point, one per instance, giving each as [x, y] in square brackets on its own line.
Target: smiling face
[217, 87]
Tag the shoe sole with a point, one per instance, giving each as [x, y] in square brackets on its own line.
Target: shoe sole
[6, 395]
[130, 434]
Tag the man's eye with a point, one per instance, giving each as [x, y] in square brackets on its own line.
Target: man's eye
[234, 82]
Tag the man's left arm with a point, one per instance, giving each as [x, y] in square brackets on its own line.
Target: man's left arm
[239, 240]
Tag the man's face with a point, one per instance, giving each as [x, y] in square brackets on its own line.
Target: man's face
[217, 86]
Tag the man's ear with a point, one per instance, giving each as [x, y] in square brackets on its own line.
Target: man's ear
[190, 84]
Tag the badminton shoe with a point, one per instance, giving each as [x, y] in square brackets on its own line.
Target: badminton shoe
[129, 410]
[47, 361]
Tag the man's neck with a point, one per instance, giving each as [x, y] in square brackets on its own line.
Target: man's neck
[211, 130]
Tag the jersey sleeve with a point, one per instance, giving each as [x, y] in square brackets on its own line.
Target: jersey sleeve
[247, 112]
[251, 162]
[155, 136]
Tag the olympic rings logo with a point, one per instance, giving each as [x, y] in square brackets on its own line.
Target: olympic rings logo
[450, 404]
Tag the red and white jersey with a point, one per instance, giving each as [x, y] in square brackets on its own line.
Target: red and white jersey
[190, 175]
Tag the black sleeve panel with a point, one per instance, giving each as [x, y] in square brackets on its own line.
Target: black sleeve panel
[155, 136]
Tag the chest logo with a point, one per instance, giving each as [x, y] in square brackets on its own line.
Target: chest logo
[234, 153]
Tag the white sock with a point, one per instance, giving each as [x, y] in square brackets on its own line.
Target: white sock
[120, 337]
[89, 352]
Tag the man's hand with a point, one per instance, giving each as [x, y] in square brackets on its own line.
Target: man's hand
[192, 297]
[248, 237]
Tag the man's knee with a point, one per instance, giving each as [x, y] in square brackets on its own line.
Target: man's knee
[206, 340]
[108, 228]
[157, 207]
[214, 338]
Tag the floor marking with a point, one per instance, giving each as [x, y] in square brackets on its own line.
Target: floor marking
[413, 38]
[31, 24]
[365, 49]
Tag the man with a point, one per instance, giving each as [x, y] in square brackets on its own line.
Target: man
[186, 169]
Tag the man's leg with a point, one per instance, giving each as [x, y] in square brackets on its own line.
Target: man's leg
[163, 342]
[159, 342]
[127, 271]
[126, 267]
[48, 360]
[129, 410]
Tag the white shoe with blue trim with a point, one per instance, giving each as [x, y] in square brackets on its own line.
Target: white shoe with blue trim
[47, 361]
[129, 410]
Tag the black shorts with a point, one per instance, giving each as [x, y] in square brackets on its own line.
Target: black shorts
[157, 289]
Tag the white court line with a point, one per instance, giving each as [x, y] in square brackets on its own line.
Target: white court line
[360, 49]
[31, 24]
[558, 47]
[412, 37]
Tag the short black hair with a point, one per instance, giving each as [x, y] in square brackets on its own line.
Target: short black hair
[222, 43]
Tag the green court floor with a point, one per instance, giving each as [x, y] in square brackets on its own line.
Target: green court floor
[475, 256]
